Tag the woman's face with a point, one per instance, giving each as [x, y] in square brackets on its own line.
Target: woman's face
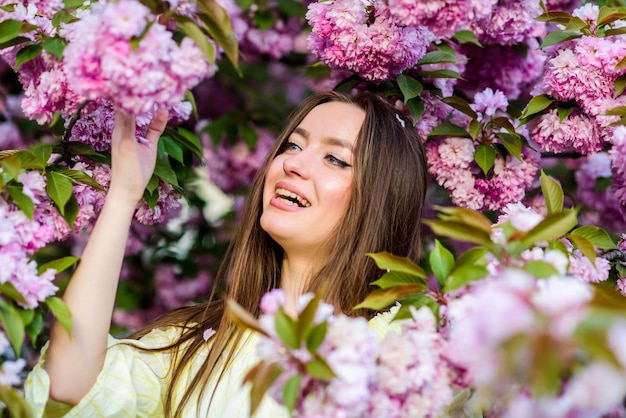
[309, 183]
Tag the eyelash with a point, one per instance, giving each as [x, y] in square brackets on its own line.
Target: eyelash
[337, 162]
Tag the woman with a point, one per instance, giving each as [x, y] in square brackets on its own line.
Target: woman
[346, 177]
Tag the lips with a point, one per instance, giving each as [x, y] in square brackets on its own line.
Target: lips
[291, 198]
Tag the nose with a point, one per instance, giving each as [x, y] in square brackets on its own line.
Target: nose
[298, 164]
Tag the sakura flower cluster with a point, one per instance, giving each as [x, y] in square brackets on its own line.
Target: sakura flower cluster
[451, 161]
[120, 52]
[20, 237]
[582, 71]
[528, 327]
[404, 371]
[365, 38]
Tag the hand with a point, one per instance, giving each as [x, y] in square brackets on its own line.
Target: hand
[133, 161]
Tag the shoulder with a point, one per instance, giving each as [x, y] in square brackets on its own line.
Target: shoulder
[383, 321]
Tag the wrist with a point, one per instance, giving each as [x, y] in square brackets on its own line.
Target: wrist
[122, 203]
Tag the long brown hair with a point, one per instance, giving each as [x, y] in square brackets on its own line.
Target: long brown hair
[384, 214]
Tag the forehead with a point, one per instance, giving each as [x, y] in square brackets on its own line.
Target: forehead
[334, 120]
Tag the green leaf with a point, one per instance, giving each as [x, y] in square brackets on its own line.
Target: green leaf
[619, 85]
[59, 265]
[151, 198]
[195, 33]
[29, 160]
[61, 312]
[163, 169]
[416, 107]
[585, 246]
[62, 16]
[552, 192]
[79, 177]
[11, 166]
[262, 376]
[467, 216]
[512, 143]
[79, 148]
[292, 8]
[616, 111]
[443, 73]
[540, 269]
[437, 57]
[466, 36]
[33, 329]
[15, 403]
[536, 104]
[416, 301]
[41, 154]
[319, 369]
[616, 32]
[55, 46]
[219, 27]
[12, 325]
[7, 289]
[459, 231]
[152, 185]
[394, 278]
[306, 318]
[22, 201]
[596, 235]
[70, 212]
[390, 262]
[563, 111]
[558, 36]
[291, 391]
[286, 328]
[475, 128]
[558, 17]
[15, 41]
[187, 139]
[441, 262]
[449, 129]
[485, 156]
[470, 266]
[59, 188]
[608, 15]
[26, 54]
[173, 149]
[607, 299]
[409, 87]
[316, 336]
[9, 29]
[71, 4]
[382, 298]
[242, 318]
[576, 24]
[552, 227]
[461, 105]
[545, 368]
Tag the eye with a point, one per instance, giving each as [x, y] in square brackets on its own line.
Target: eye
[338, 162]
[289, 146]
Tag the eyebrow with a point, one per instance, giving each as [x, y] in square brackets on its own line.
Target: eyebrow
[327, 140]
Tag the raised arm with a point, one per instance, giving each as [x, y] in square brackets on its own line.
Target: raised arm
[73, 364]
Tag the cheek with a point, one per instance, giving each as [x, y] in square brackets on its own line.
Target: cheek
[340, 193]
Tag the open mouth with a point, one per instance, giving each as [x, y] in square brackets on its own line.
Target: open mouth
[291, 198]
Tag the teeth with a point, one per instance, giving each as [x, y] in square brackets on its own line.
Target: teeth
[291, 195]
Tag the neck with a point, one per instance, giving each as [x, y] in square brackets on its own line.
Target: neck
[294, 276]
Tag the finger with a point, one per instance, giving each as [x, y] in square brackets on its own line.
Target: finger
[157, 125]
[124, 126]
